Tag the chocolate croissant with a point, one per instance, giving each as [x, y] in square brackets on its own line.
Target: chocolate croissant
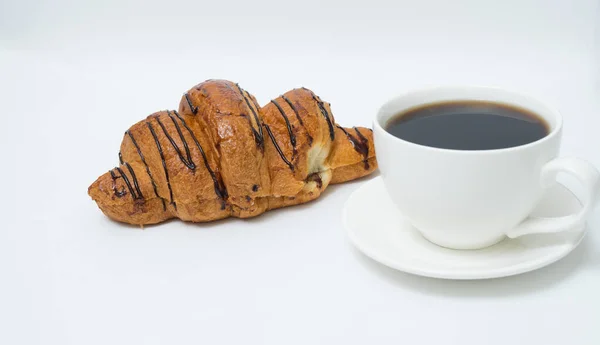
[222, 155]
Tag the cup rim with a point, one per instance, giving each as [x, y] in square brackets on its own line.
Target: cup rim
[554, 130]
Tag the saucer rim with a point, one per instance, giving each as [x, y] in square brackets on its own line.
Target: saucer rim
[506, 271]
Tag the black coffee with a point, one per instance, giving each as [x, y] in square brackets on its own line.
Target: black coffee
[468, 125]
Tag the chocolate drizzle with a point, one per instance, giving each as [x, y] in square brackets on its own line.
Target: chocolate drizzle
[129, 186]
[189, 102]
[118, 193]
[164, 163]
[288, 125]
[365, 146]
[187, 161]
[278, 148]
[219, 186]
[258, 135]
[254, 102]
[324, 112]
[361, 145]
[139, 151]
[135, 181]
[287, 100]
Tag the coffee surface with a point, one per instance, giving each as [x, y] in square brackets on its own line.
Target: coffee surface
[468, 125]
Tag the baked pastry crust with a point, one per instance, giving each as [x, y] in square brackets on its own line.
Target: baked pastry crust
[221, 155]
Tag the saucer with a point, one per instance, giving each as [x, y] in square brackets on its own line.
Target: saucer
[379, 230]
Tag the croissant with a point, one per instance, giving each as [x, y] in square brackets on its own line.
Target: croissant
[222, 155]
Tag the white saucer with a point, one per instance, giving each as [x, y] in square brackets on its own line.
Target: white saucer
[377, 228]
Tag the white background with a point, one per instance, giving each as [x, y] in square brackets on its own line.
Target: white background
[75, 74]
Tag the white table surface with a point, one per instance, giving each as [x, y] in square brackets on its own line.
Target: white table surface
[71, 276]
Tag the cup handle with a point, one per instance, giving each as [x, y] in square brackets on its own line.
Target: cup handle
[586, 174]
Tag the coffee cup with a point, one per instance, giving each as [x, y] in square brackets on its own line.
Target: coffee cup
[473, 197]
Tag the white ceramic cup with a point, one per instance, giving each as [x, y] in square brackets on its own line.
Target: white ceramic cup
[472, 199]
